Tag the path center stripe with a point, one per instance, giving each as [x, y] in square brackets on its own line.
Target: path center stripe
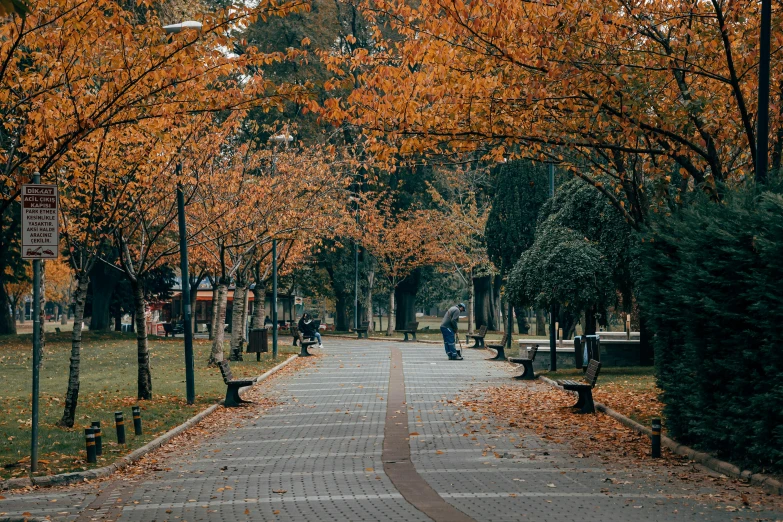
[396, 457]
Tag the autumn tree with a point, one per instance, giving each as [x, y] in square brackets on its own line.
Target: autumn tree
[642, 100]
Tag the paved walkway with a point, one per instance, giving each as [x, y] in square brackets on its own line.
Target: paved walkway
[321, 455]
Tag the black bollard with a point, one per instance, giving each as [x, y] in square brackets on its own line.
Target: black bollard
[96, 426]
[656, 438]
[137, 419]
[120, 423]
[89, 435]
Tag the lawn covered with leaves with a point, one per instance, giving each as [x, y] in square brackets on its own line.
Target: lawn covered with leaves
[631, 391]
[108, 384]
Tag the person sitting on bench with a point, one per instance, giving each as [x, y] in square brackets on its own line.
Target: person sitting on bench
[307, 327]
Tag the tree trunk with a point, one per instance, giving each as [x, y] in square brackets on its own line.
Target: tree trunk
[215, 301]
[368, 300]
[193, 303]
[471, 305]
[521, 314]
[219, 320]
[63, 314]
[104, 279]
[497, 308]
[237, 312]
[72, 392]
[142, 348]
[482, 287]
[118, 322]
[22, 310]
[259, 305]
[406, 302]
[380, 319]
[540, 322]
[7, 321]
[590, 326]
[341, 318]
[390, 327]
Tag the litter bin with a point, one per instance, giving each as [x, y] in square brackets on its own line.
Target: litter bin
[258, 342]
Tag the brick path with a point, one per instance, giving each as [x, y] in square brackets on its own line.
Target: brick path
[323, 445]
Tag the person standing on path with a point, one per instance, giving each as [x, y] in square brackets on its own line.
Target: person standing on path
[448, 327]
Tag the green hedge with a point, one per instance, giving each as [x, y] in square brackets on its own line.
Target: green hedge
[711, 290]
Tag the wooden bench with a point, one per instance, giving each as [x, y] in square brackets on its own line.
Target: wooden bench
[362, 330]
[584, 389]
[304, 344]
[527, 363]
[232, 392]
[500, 348]
[57, 330]
[411, 329]
[478, 338]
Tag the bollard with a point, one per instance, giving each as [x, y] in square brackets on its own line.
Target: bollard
[656, 438]
[137, 419]
[89, 435]
[96, 426]
[120, 423]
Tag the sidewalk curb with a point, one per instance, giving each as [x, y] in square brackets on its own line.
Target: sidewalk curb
[69, 478]
[767, 483]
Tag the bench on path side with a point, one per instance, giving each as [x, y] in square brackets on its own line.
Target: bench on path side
[362, 330]
[527, 363]
[232, 392]
[304, 344]
[499, 347]
[478, 338]
[411, 328]
[584, 389]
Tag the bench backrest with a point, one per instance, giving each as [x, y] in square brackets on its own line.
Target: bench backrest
[503, 339]
[593, 369]
[225, 371]
[483, 331]
[413, 326]
[532, 353]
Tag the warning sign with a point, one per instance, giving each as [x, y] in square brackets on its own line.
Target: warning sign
[40, 232]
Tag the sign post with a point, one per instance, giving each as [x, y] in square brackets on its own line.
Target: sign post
[40, 240]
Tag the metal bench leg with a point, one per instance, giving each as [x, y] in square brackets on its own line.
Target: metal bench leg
[479, 343]
[528, 374]
[304, 352]
[406, 337]
[414, 337]
[501, 355]
[588, 406]
[232, 397]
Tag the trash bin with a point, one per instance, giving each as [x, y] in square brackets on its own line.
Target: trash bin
[258, 342]
[593, 343]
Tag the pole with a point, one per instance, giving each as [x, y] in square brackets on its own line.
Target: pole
[274, 299]
[762, 140]
[553, 311]
[190, 385]
[356, 285]
[36, 354]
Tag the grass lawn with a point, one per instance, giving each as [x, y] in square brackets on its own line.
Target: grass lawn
[630, 391]
[108, 384]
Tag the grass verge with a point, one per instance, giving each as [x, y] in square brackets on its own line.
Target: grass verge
[108, 384]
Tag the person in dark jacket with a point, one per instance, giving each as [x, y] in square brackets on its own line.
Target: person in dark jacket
[307, 327]
[448, 327]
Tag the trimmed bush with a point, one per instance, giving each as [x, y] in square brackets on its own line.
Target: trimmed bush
[710, 289]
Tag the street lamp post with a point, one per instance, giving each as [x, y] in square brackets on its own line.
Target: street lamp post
[762, 140]
[190, 384]
[553, 310]
[278, 139]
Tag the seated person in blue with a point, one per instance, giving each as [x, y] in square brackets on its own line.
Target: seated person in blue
[307, 327]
